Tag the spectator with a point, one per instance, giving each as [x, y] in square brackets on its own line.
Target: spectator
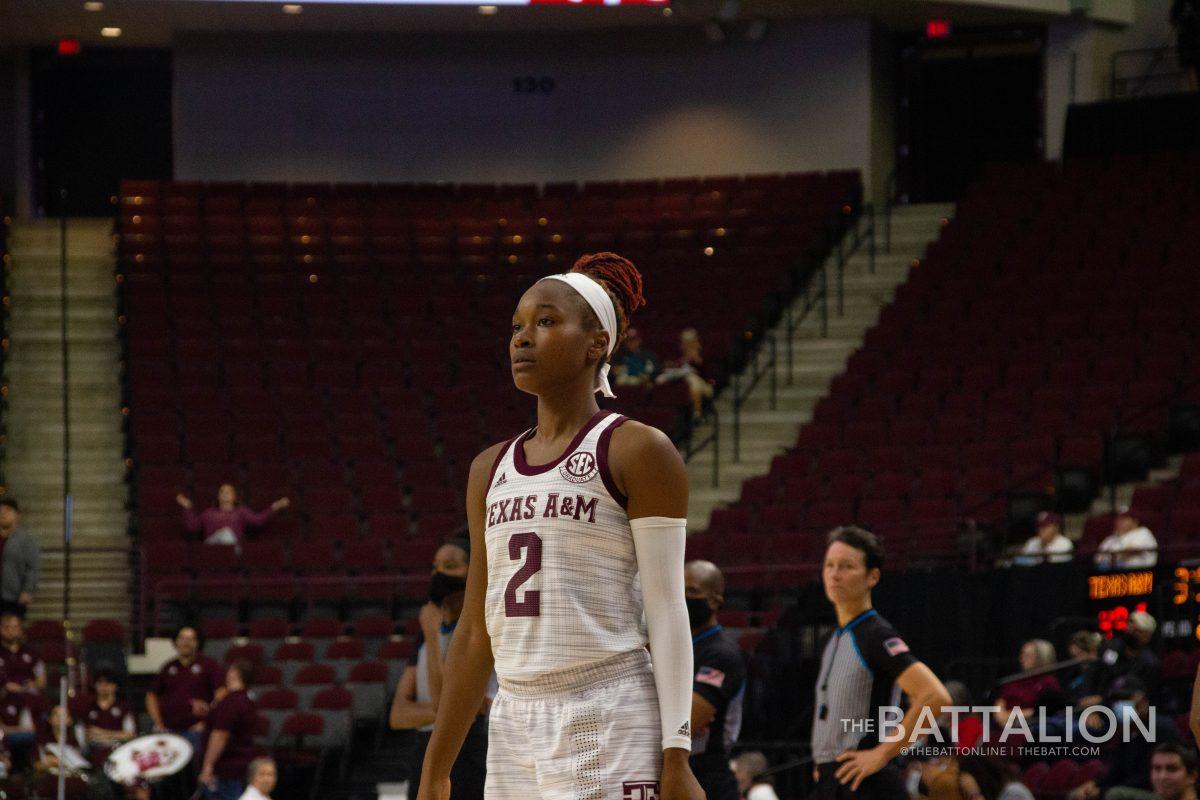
[16, 723]
[690, 367]
[1173, 772]
[718, 685]
[261, 777]
[229, 737]
[636, 366]
[186, 686]
[1129, 546]
[414, 706]
[748, 769]
[108, 722]
[22, 669]
[1057, 716]
[985, 778]
[1085, 686]
[1129, 761]
[1048, 545]
[6, 768]
[58, 744]
[969, 729]
[227, 521]
[1130, 653]
[1185, 16]
[19, 560]
[1022, 694]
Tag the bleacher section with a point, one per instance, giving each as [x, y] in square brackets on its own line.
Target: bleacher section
[1054, 312]
[345, 346]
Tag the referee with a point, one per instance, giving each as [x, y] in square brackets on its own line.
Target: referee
[863, 661]
[718, 684]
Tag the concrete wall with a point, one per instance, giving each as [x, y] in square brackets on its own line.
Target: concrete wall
[625, 104]
[1079, 54]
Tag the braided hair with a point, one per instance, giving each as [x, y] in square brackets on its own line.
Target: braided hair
[623, 283]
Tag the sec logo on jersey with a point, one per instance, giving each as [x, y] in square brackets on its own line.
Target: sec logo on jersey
[579, 468]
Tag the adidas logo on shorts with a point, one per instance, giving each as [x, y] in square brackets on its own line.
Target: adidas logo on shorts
[685, 729]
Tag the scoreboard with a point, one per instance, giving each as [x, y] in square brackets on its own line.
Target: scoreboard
[1171, 597]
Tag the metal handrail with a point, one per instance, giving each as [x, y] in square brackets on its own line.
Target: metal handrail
[889, 203]
[691, 447]
[740, 396]
[770, 345]
[843, 256]
[967, 513]
[1133, 86]
[4, 223]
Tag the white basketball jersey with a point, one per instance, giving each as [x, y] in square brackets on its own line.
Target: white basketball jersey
[563, 587]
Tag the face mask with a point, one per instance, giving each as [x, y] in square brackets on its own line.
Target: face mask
[698, 611]
[443, 585]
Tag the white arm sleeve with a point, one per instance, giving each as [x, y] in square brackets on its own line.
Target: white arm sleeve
[659, 544]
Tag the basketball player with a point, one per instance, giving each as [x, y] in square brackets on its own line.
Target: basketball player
[577, 528]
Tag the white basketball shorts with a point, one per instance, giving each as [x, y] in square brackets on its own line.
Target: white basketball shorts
[590, 733]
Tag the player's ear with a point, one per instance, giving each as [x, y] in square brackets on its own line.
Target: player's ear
[873, 576]
[598, 348]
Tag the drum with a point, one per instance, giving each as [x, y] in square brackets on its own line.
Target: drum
[148, 759]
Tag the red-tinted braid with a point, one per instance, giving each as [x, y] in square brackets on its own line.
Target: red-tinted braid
[621, 279]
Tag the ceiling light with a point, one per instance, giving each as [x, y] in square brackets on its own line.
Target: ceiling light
[488, 11]
[110, 33]
[93, 5]
[292, 8]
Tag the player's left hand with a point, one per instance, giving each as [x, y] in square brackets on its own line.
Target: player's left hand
[858, 765]
[678, 782]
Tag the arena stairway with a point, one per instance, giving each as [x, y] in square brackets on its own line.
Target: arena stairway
[817, 359]
[33, 456]
[1123, 493]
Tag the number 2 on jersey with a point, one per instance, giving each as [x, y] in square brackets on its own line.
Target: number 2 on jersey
[531, 604]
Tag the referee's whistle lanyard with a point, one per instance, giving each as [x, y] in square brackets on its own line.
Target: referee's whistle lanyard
[837, 641]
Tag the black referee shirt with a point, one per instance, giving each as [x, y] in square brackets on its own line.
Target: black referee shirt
[721, 680]
[859, 667]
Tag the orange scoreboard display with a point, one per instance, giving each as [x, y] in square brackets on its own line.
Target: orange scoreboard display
[1171, 595]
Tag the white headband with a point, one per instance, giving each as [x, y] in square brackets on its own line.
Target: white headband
[596, 297]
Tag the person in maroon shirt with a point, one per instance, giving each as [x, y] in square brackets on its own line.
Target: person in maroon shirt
[185, 688]
[229, 737]
[227, 521]
[107, 723]
[23, 669]
[16, 724]
[1020, 695]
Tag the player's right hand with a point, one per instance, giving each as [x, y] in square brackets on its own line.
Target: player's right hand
[434, 789]
[678, 782]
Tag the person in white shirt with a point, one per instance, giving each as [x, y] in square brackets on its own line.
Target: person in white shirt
[260, 778]
[1130, 546]
[748, 769]
[1048, 545]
